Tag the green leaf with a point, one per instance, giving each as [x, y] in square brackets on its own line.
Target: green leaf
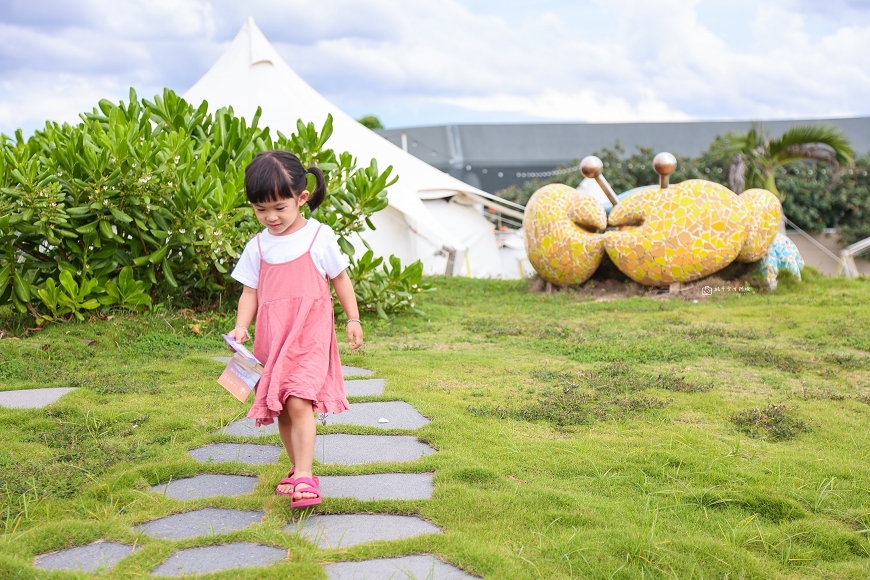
[121, 216]
[158, 255]
[167, 273]
[66, 280]
[346, 246]
[21, 287]
[106, 230]
[5, 272]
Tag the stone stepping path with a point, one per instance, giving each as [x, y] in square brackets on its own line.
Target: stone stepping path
[99, 556]
[32, 398]
[217, 558]
[379, 486]
[207, 485]
[428, 567]
[327, 531]
[399, 415]
[344, 531]
[248, 453]
[204, 522]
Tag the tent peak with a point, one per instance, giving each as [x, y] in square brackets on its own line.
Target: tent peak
[260, 49]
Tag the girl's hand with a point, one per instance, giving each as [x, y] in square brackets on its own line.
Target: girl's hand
[240, 334]
[354, 334]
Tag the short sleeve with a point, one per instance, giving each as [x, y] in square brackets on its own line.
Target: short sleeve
[247, 270]
[327, 254]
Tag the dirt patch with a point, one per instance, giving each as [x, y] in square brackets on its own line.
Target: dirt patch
[608, 283]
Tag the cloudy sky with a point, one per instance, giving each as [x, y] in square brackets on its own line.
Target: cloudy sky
[457, 61]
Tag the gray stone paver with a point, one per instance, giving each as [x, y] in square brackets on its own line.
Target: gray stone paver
[90, 558]
[406, 568]
[364, 387]
[217, 558]
[245, 427]
[32, 398]
[204, 522]
[347, 371]
[378, 486]
[207, 485]
[399, 415]
[343, 531]
[247, 453]
[358, 449]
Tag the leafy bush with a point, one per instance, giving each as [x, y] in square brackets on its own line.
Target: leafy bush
[816, 199]
[370, 121]
[146, 199]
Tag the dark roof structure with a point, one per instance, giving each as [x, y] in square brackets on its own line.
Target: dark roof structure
[493, 157]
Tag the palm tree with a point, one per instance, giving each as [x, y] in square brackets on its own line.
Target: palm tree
[756, 156]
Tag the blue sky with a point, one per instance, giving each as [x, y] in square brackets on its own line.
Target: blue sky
[452, 61]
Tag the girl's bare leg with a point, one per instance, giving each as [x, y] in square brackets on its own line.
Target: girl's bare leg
[285, 426]
[302, 433]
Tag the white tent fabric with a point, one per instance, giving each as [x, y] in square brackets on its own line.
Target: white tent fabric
[251, 74]
[474, 232]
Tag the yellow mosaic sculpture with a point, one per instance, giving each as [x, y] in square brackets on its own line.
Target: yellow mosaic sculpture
[765, 215]
[561, 228]
[676, 233]
[684, 232]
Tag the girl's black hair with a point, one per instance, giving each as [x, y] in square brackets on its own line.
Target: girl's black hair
[276, 175]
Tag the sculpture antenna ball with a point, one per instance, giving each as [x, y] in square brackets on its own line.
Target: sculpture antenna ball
[591, 166]
[664, 163]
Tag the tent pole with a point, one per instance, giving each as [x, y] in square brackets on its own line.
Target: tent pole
[451, 259]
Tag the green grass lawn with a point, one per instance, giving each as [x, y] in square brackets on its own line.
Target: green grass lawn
[639, 438]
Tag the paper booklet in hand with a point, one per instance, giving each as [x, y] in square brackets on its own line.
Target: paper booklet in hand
[243, 371]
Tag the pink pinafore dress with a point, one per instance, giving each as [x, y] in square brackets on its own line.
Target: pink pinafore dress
[295, 339]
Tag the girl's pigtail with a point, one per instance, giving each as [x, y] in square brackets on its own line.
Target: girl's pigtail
[319, 193]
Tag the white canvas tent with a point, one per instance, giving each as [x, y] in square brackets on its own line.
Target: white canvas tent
[445, 231]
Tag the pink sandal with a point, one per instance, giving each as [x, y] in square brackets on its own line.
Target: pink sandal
[289, 481]
[313, 487]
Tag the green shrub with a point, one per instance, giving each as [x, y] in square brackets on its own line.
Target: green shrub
[146, 199]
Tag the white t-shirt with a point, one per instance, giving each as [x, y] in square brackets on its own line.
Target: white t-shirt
[326, 255]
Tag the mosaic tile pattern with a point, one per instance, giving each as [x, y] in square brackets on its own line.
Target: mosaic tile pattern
[655, 236]
[561, 228]
[765, 214]
[678, 234]
[783, 255]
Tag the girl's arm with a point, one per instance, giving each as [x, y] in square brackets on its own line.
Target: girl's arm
[346, 296]
[246, 314]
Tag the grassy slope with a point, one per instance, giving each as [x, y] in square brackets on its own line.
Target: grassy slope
[555, 459]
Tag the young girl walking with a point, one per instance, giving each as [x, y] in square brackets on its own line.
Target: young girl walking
[285, 271]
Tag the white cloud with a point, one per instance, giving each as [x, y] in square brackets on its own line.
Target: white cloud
[581, 106]
[630, 60]
[28, 100]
